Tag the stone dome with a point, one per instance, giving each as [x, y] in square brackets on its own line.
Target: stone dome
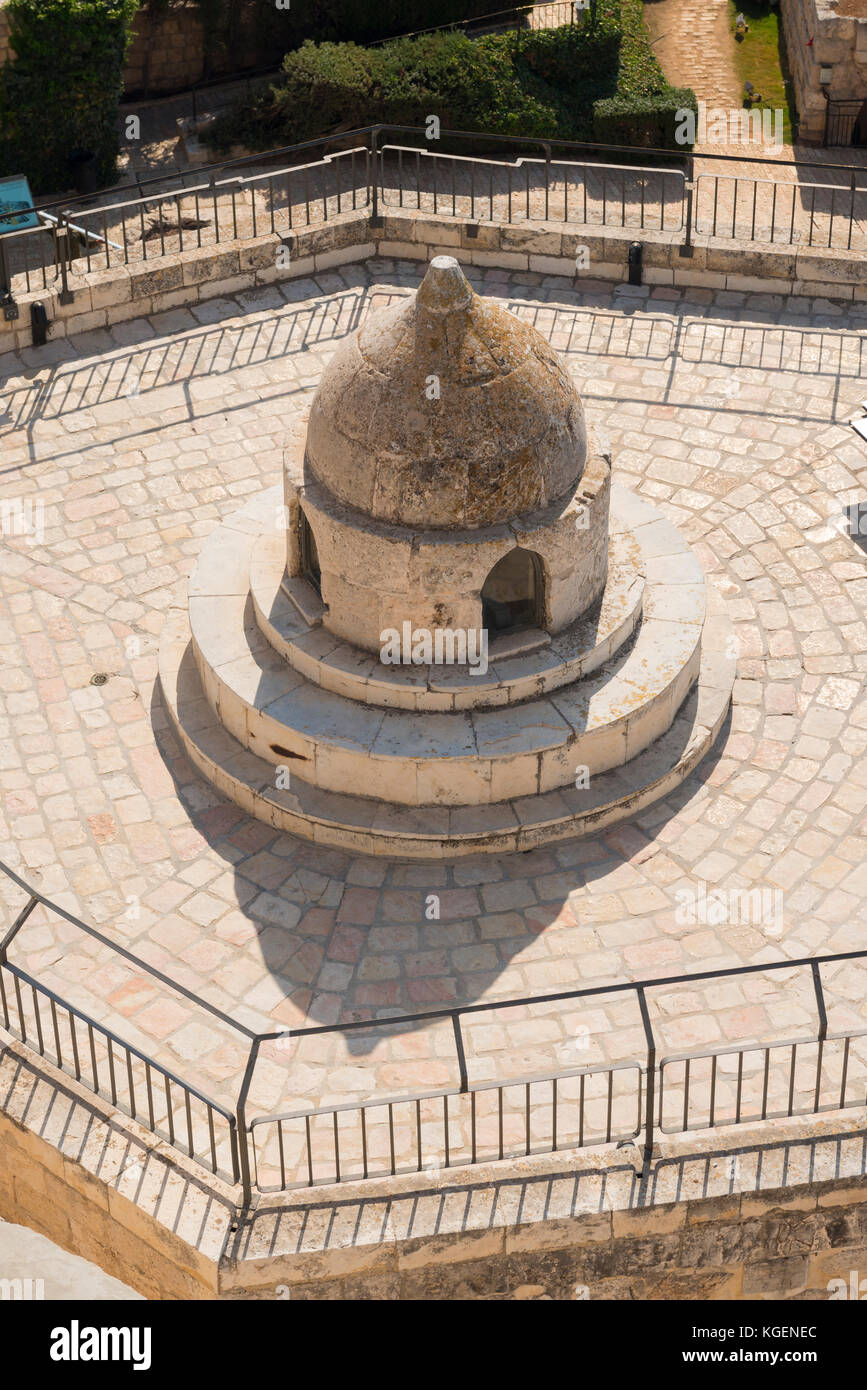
[446, 411]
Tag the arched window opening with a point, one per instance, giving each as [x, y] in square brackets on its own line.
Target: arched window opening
[309, 555]
[512, 594]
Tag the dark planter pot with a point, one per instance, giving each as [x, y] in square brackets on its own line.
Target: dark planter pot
[85, 171]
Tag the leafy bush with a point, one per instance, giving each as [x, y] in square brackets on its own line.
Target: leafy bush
[542, 84]
[642, 120]
[59, 93]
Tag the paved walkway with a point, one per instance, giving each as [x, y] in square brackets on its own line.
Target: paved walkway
[729, 411]
[692, 40]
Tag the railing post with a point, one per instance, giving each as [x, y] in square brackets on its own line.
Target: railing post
[13, 931]
[5, 274]
[650, 1105]
[375, 218]
[61, 235]
[241, 1114]
[687, 249]
[547, 148]
[823, 1030]
[462, 1061]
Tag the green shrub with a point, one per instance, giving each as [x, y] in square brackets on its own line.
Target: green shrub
[60, 90]
[647, 121]
[538, 84]
[469, 85]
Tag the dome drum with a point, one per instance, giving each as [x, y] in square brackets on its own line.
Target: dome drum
[375, 576]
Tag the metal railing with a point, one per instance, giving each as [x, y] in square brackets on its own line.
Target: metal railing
[841, 118]
[451, 1126]
[98, 1059]
[379, 168]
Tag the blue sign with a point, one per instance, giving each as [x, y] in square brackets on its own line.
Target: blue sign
[15, 197]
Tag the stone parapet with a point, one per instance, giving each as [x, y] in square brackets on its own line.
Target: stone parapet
[753, 1214]
[108, 296]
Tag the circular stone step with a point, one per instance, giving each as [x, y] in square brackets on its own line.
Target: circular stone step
[336, 665]
[360, 825]
[461, 757]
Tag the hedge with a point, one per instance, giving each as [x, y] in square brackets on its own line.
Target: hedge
[59, 92]
[543, 84]
[649, 121]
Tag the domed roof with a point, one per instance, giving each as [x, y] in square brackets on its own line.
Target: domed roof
[445, 410]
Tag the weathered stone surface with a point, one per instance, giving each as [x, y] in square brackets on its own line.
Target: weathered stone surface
[446, 411]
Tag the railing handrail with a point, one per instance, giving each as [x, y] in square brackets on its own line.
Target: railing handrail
[379, 128]
[562, 995]
[115, 1038]
[727, 1049]
[241, 1129]
[140, 964]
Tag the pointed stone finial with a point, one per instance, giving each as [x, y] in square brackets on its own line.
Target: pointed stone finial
[444, 289]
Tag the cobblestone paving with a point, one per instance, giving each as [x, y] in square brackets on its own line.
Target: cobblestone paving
[693, 41]
[729, 411]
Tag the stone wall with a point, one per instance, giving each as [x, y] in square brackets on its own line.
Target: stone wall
[170, 52]
[184, 277]
[167, 52]
[839, 34]
[750, 1214]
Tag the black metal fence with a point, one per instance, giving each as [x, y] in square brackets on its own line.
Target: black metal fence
[98, 1059]
[846, 122]
[456, 1125]
[381, 169]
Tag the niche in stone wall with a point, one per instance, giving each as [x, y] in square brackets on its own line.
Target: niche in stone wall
[512, 594]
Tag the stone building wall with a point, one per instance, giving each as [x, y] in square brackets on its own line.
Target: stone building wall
[168, 51]
[838, 29]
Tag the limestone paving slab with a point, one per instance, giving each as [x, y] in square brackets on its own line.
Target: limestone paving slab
[728, 411]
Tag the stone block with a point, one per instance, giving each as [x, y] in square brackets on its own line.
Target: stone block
[305, 265]
[648, 1221]
[144, 284]
[603, 270]
[831, 267]
[109, 288]
[336, 235]
[402, 250]
[206, 264]
[260, 254]
[231, 286]
[525, 237]
[80, 303]
[570, 1233]
[504, 260]
[436, 230]
[571, 241]
[701, 279]
[85, 323]
[817, 289]
[553, 265]
[750, 262]
[776, 1278]
[751, 284]
[487, 237]
[344, 255]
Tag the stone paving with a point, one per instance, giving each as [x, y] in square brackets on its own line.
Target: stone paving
[731, 412]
